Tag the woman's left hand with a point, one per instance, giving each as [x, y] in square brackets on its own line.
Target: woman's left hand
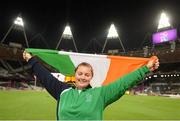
[153, 64]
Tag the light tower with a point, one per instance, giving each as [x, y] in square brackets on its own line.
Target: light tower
[165, 34]
[112, 34]
[19, 25]
[67, 34]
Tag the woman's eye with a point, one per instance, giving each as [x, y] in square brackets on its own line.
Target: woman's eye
[79, 73]
[87, 75]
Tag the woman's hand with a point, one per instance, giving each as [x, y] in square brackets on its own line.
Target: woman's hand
[27, 56]
[153, 64]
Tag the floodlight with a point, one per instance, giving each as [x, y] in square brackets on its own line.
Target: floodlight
[112, 32]
[164, 21]
[67, 33]
[18, 24]
[18, 21]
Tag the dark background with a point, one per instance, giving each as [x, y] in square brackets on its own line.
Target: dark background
[90, 20]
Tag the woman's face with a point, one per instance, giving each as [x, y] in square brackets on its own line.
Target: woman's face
[83, 76]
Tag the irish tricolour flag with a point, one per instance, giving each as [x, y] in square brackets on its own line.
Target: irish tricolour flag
[106, 68]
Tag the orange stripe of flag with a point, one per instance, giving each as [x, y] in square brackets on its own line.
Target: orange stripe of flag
[121, 65]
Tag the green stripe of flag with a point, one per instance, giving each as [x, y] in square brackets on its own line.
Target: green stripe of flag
[60, 62]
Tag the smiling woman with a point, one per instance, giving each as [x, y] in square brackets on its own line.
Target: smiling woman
[83, 75]
[83, 102]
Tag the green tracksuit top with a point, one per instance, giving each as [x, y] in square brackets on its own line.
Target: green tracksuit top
[87, 104]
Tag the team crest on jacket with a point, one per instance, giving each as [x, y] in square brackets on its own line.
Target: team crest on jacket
[88, 97]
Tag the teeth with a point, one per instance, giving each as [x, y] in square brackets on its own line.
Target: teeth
[82, 80]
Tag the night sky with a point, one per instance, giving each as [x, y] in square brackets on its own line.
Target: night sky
[90, 20]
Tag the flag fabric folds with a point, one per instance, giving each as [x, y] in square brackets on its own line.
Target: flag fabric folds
[106, 68]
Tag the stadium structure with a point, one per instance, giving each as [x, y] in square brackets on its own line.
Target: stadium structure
[165, 44]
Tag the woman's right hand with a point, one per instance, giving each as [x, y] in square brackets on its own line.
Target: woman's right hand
[27, 56]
